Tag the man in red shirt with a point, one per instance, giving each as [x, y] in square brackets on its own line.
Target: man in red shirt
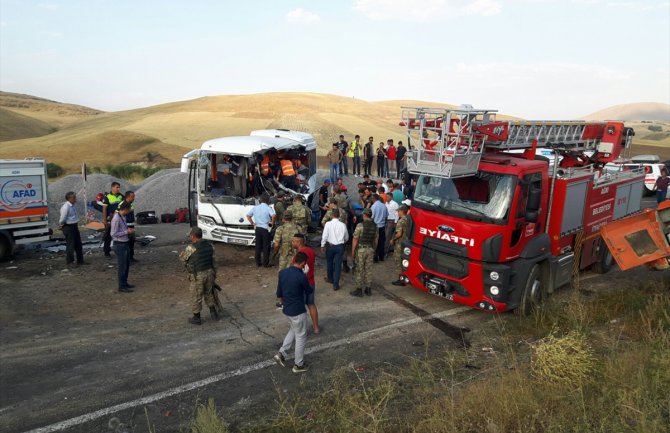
[298, 244]
[390, 157]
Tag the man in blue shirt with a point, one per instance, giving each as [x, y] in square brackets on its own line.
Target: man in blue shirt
[379, 216]
[293, 289]
[262, 216]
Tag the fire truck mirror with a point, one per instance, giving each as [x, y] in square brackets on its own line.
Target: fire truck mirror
[534, 198]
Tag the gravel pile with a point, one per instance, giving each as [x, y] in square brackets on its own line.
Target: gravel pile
[96, 183]
[163, 192]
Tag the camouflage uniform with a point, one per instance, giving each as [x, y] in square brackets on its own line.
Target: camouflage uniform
[202, 273]
[283, 236]
[280, 208]
[365, 252]
[342, 201]
[301, 216]
[329, 216]
[400, 229]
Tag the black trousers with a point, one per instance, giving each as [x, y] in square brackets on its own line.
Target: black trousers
[367, 166]
[381, 241]
[381, 164]
[107, 239]
[72, 243]
[262, 246]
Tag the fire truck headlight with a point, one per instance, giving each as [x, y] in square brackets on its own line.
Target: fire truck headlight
[405, 263]
[494, 290]
[407, 251]
[494, 276]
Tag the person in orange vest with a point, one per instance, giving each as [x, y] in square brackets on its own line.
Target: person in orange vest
[287, 176]
[265, 165]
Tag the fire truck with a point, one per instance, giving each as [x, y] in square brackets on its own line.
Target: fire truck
[493, 224]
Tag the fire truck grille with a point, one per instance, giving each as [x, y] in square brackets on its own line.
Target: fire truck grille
[444, 264]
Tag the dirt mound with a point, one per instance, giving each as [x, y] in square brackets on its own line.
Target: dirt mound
[163, 192]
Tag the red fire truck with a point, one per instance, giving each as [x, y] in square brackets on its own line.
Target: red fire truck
[496, 226]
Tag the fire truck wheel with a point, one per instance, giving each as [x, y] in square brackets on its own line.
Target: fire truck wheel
[533, 293]
[604, 264]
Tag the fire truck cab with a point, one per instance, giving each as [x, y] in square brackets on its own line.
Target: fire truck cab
[499, 230]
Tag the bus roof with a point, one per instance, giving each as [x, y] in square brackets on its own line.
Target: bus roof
[260, 142]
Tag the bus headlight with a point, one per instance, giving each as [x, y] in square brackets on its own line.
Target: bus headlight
[208, 221]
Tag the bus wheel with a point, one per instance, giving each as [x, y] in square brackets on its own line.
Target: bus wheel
[533, 293]
[605, 262]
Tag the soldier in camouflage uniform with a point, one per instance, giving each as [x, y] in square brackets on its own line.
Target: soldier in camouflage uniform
[282, 240]
[363, 249]
[301, 214]
[332, 204]
[342, 200]
[280, 207]
[399, 235]
[199, 261]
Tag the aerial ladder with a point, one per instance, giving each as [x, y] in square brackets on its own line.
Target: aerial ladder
[451, 142]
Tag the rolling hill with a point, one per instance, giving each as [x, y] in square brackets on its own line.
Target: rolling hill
[637, 111]
[161, 134]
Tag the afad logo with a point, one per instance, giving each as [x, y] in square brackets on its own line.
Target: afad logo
[14, 195]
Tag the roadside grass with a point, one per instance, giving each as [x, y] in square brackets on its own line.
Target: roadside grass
[594, 362]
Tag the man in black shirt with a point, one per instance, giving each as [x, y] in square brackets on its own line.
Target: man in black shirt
[400, 158]
[343, 146]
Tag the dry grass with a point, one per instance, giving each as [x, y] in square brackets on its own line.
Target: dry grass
[607, 370]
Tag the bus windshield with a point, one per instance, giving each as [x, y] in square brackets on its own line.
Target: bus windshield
[482, 197]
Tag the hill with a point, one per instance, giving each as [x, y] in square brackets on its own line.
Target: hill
[637, 111]
[15, 126]
[161, 134]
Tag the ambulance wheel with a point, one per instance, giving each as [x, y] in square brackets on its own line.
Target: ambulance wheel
[533, 293]
[5, 249]
[605, 262]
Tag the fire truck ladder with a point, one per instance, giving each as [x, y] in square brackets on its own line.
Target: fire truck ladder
[451, 141]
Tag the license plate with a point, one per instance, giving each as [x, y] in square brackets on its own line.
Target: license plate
[237, 241]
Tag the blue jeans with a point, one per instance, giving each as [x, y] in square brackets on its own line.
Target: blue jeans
[660, 195]
[334, 172]
[356, 168]
[334, 255]
[122, 251]
[344, 166]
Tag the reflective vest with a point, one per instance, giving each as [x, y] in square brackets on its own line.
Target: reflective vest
[287, 167]
[265, 165]
[113, 202]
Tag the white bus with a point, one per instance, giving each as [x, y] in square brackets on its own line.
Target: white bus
[228, 175]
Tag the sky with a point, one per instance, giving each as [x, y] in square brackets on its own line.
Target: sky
[537, 59]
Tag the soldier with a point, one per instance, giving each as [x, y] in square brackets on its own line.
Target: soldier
[342, 200]
[199, 261]
[301, 214]
[280, 207]
[332, 204]
[399, 236]
[282, 240]
[363, 249]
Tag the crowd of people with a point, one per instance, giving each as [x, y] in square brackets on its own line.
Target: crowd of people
[391, 158]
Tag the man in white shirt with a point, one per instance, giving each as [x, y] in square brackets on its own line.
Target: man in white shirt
[333, 240]
[68, 223]
[391, 220]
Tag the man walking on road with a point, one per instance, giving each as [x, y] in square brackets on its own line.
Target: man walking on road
[292, 290]
[68, 223]
[262, 216]
[199, 261]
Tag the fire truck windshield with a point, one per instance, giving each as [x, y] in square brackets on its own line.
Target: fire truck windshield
[482, 197]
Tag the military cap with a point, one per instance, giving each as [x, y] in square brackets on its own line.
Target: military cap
[281, 194]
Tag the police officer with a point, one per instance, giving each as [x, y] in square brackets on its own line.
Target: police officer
[301, 214]
[282, 240]
[199, 261]
[363, 250]
[399, 236]
[109, 205]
